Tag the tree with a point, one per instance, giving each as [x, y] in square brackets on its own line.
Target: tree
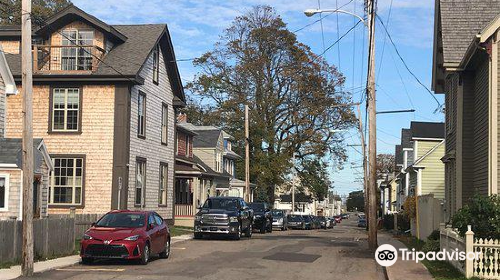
[294, 96]
[314, 177]
[356, 201]
[10, 10]
[385, 164]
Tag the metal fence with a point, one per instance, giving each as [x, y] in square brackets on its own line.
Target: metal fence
[51, 237]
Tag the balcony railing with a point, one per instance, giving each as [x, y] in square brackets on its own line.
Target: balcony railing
[184, 210]
[82, 59]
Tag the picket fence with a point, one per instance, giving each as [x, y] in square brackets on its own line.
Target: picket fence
[486, 266]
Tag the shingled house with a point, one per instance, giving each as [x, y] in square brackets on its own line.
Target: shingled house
[465, 68]
[104, 101]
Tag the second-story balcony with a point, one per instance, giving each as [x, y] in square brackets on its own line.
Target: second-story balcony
[72, 59]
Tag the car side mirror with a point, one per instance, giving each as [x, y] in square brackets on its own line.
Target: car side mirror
[93, 224]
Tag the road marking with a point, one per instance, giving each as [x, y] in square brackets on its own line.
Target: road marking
[92, 269]
[179, 248]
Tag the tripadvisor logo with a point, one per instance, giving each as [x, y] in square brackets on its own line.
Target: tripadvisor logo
[387, 255]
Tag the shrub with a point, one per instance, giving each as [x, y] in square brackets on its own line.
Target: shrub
[410, 207]
[389, 221]
[483, 214]
[434, 235]
[431, 246]
[403, 223]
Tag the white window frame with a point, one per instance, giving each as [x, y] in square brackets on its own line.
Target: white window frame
[141, 122]
[162, 199]
[143, 186]
[156, 64]
[87, 51]
[73, 187]
[7, 189]
[164, 123]
[65, 110]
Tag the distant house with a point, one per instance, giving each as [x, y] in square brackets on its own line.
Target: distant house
[104, 101]
[466, 67]
[11, 194]
[304, 204]
[404, 158]
[427, 171]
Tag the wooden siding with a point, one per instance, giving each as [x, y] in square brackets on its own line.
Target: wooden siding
[498, 113]
[481, 133]
[468, 123]
[95, 140]
[433, 172]
[11, 46]
[151, 148]
[14, 193]
[2, 107]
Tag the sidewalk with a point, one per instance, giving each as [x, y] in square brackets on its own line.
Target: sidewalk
[403, 270]
[15, 271]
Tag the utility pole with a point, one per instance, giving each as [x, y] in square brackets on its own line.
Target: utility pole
[372, 128]
[294, 180]
[365, 173]
[247, 157]
[27, 146]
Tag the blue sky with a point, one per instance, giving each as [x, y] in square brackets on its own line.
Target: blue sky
[196, 24]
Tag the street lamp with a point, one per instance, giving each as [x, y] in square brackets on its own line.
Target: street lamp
[312, 12]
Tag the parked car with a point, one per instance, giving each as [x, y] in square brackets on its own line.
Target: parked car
[316, 222]
[229, 216]
[338, 219]
[296, 222]
[362, 222]
[132, 235]
[324, 222]
[308, 222]
[332, 221]
[280, 219]
[263, 219]
[344, 216]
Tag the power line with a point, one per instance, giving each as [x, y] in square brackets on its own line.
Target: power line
[338, 34]
[406, 65]
[316, 21]
[383, 45]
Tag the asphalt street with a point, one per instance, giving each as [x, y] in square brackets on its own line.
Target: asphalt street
[339, 253]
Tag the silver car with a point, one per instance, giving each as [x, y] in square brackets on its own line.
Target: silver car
[280, 219]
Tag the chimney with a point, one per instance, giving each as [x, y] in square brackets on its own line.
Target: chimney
[182, 118]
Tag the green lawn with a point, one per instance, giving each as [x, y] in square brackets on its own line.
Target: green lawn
[440, 270]
[177, 230]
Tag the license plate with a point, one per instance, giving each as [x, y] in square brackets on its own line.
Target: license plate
[213, 229]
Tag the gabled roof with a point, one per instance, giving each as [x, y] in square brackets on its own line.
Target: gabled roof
[11, 153]
[68, 15]
[428, 130]
[124, 62]
[461, 21]
[406, 142]
[206, 138]
[398, 155]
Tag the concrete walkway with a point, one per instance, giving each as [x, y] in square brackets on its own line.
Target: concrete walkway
[15, 271]
[403, 270]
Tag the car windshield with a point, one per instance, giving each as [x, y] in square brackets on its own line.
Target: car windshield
[123, 220]
[221, 203]
[322, 218]
[277, 214]
[294, 218]
[258, 206]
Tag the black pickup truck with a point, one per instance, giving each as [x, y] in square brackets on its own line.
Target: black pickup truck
[229, 216]
[263, 218]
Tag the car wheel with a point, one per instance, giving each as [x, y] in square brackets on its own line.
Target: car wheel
[166, 252]
[263, 228]
[198, 235]
[237, 236]
[249, 231]
[145, 254]
[87, 260]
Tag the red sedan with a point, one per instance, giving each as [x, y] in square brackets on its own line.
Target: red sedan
[134, 235]
[338, 219]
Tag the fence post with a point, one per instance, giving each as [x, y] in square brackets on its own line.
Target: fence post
[469, 247]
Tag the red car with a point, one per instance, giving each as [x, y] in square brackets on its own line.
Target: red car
[133, 235]
[338, 219]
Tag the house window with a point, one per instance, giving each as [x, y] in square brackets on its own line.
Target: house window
[4, 192]
[156, 64]
[140, 181]
[76, 58]
[141, 115]
[164, 124]
[187, 146]
[66, 109]
[66, 181]
[162, 200]
[218, 164]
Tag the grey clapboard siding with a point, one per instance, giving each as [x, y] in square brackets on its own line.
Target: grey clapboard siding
[3, 105]
[151, 148]
[468, 136]
[481, 133]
